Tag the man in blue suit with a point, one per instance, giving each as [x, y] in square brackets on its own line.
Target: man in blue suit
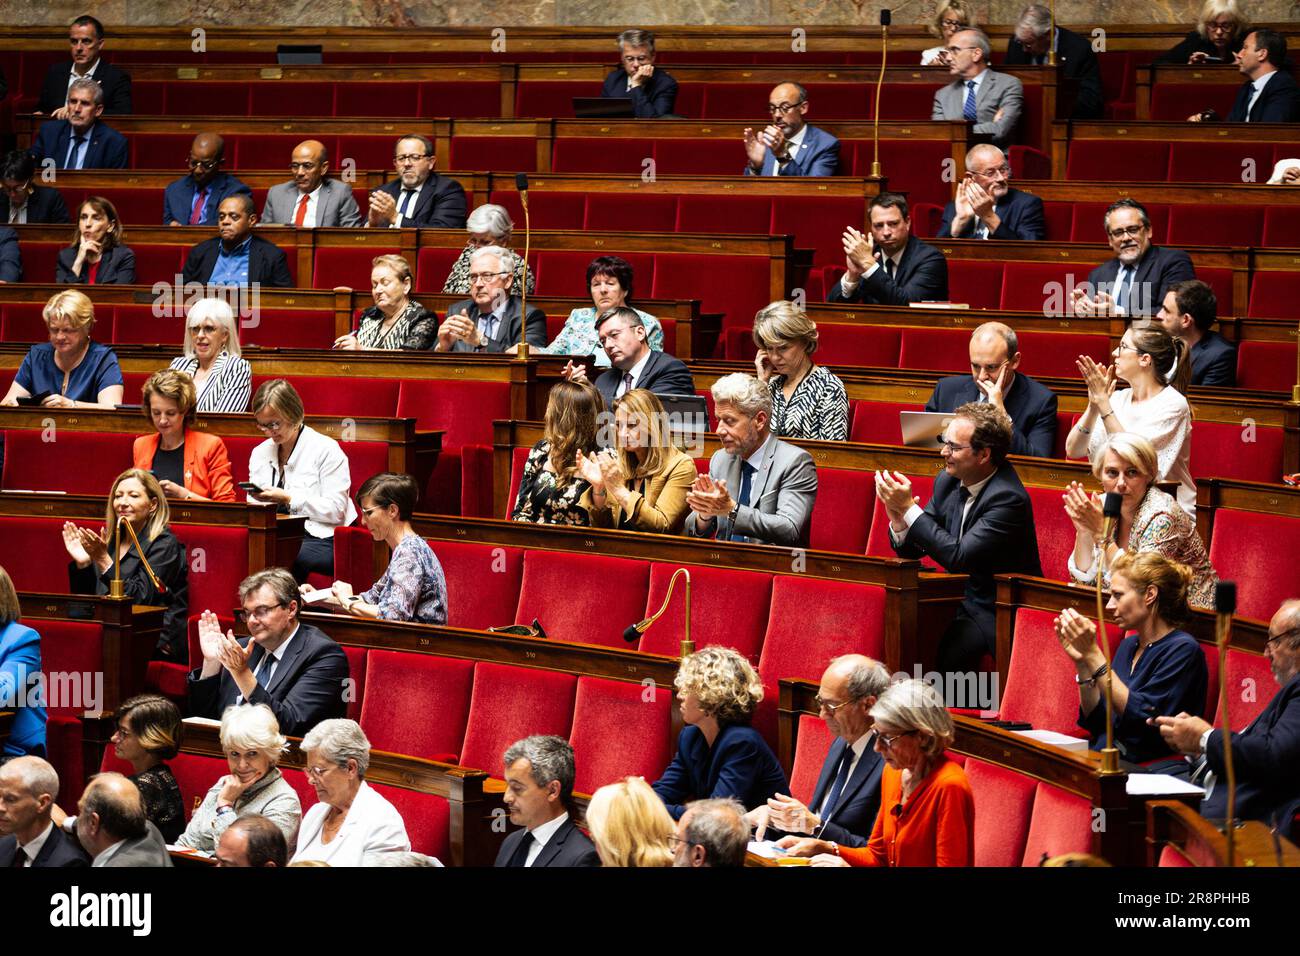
[652, 91]
[81, 141]
[1031, 406]
[1189, 311]
[193, 200]
[847, 796]
[987, 207]
[789, 146]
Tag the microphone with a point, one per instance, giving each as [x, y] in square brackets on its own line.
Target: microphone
[633, 632]
[886, 18]
[521, 184]
[1225, 605]
[1110, 508]
[115, 588]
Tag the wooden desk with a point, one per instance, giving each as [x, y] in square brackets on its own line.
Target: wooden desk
[1201, 843]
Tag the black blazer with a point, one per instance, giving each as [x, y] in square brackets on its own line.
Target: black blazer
[663, 374]
[999, 538]
[1278, 103]
[923, 274]
[11, 259]
[1031, 405]
[266, 263]
[1021, 215]
[45, 204]
[1156, 272]
[1214, 361]
[649, 100]
[740, 764]
[116, 85]
[1075, 61]
[507, 333]
[116, 267]
[568, 846]
[1195, 43]
[59, 850]
[1266, 758]
[306, 688]
[441, 205]
[854, 814]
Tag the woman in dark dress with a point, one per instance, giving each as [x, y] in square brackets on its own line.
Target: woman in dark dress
[551, 490]
[148, 734]
[96, 256]
[1220, 31]
[395, 321]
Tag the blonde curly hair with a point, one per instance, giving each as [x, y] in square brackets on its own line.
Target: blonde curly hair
[724, 683]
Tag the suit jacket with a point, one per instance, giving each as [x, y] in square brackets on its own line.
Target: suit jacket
[922, 275]
[649, 100]
[507, 333]
[115, 83]
[1266, 758]
[854, 813]
[1021, 215]
[45, 204]
[148, 850]
[1278, 103]
[11, 259]
[997, 91]
[999, 538]
[207, 464]
[818, 155]
[179, 196]
[739, 764]
[20, 657]
[334, 206]
[266, 263]
[568, 846]
[306, 688]
[1031, 406]
[782, 492]
[1156, 272]
[441, 204]
[107, 149]
[1214, 361]
[60, 850]
[116, 267]
[1075, 61]
[662, 374]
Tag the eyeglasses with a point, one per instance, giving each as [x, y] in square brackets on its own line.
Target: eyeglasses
[1124, 346]
[297, 166]
[1281, 637]
[829, 706]
[366, 511]
[485, 276]
[411, 157]
[202, 163]
[1004, 169]
[256, 613]
[642, 58]
[1126, 231]
[888, 740]
[269, 426]
[205, 329]
[317, 772]
[953, 447]
[778, 109]
[125, 732]
[1221, 27]
[954, 24]
[954, 50]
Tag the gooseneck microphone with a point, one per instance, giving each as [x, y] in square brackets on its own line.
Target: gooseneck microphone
[521, 184]
[640, 627]
[1225, 605]
[1110, 511]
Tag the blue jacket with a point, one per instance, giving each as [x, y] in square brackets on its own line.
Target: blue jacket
[179, 197]
[649, 100]
[107, 149]
[20, 656]
[1030, 405]
[11, 259]
[1278, 103]
[740, 764]
[819, 155]
[1266, 758]
[1021, 215]
[1214, 361]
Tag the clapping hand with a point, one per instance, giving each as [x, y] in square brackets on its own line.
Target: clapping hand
[1084, 510]
[708, 498]
[589, 470]
[755, 151]
[895, 493]
[859, 252]
[1077, 634]
[1100, 380]
[979, 199]
[456, 328]
[210, 637]
[72, 541]
[383, 208]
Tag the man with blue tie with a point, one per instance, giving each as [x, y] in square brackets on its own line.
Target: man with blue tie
[490, 320]
[988, 100]
[193, 200]
[419, 197]
[81, 141]
[1137, 280]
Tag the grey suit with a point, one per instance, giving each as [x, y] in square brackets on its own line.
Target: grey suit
[148, 850]
[507, 330]
[996, 91]
[334, 206]
[782, 492]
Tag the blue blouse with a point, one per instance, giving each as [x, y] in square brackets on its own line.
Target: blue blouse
[413, 588]
[20, 658]
[740, 764]
[97, 371]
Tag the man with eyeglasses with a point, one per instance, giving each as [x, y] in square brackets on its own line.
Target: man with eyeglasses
[789, 146]
[987, 207]
[994, 360]
[235, 256]
[1137, 280]
[1034, 36]
[293, 668]
[419, 197]
[193, 200]
[652, 92]
[979, 522]
[22, 200]
[991, 101]
[1270, 93]
[633, 364]
[86, 40]
[490, 319]
[1266, 754]
[313, 198]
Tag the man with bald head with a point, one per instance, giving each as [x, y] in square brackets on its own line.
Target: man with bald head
[252, 841]
[312, 198]
[788, 146]
[847, 796]
[28, 837]
[987, 207]
[235, 256]
[112, 826]
[994, 359]
[193, 200]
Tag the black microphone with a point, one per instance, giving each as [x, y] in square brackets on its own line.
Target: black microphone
[1110, 508]
[521, 182]
[630, 633]
[886, 17]
[1225, 597]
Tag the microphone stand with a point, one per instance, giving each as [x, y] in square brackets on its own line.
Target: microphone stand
[521, 183]
[639, 628]
[115, 588]
[1225, 604]
[886, 18]
[1051, 39]
[1109, 754]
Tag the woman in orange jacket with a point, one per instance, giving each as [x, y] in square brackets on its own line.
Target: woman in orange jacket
[190, 465]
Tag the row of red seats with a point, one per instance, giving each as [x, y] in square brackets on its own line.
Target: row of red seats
[1159, 161]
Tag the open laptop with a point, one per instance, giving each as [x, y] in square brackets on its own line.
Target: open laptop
[924, 429]
[687, 421]
[602, 107]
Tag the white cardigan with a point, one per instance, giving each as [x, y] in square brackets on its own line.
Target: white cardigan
[317, 477]
[372, 825]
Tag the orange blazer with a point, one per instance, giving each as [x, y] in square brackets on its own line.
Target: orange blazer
[207, 466]
[935, 828]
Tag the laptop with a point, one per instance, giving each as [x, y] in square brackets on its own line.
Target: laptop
[687, 420]
[924, 429]
[602, 107]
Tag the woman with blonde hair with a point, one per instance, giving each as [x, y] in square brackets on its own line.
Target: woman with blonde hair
[395, 321]
[629, 825]
[950, 16]
[807, 400]
[189, 464]
[96, 256]
[551, 490]
[68, 371]
[1220, 31]
[222, 378]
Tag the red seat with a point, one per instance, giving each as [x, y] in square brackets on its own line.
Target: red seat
[509, 703]
[344, 396]
[1221, 163]
[860, 345]
[817, 222]
[134, 206]
[432, 267]
[878, 541]
[975, 283]
[39, 260]
[192, 96]
[482, 582]
[810, 749]
[1055, 353]
[620, 729]
[294, 99]
[841, 518]
[910, 165]
[1059, 217]
[1269, 366]
[1090, 217]
[926, 219]
[587, 598]
[1145, 161]
[427, 817]
[158, 263]
[364, 152]
[1177, 101]
[565, 273]
[1195, 225]
[590, 154]
[1028, 162]
[1040, 677]
[24, 322]
[359, 99]
[356, 691]
[727, 607]
[1282, 226]
[877, 423]
[288, 328]
[943, 350]
[1250, 687]
[737, 286]
[648, 212]
[139, 325]
[217, 557]
[68, 647]
[1004, 802]
[79, 463]
[1042, 287]
[342, 266]
[1272, 296]
[738, 213]
[685, 156]
[461, 99]
[733, 101]
[398, 717]
[1055, 532]
[558, 210]
[1062, 822]
[1244, 452]
[495, 152]
[195, 774]
[1237, 543]
[550, 98]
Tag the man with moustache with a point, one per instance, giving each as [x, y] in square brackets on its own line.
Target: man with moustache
[1137, 280]
[235, 256]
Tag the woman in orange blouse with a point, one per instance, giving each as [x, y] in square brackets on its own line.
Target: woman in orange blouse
[927, 814]
[189, 465]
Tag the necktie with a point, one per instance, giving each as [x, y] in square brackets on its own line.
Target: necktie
[20, 858]
[520, 856]
[403, 207]
[1251, 97]
[301, 214]
[889, 267]
[746, 479]
[74, 152]
[269, 676]
[196, 214]
[968, 110]
[1121, 288]
[963, 496]
[627, 383]
[837, 788]
[488, 328]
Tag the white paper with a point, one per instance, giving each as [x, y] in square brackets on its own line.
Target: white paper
[316, 596]
[1159, 784]
[766, 849]
[1064, 741]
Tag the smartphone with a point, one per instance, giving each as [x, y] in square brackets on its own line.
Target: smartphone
[1212, 59]
[34, 399]
[249, 486]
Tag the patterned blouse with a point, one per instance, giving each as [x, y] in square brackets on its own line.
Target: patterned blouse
[415, 328]
[542, 499]
[458, 278]
[1162, 526]
[578, 337]
[819, 408]
[413, 588]
[228, 387]
[163, 805]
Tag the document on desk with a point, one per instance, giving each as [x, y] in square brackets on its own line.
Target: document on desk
[767, 850]
[1159, 785]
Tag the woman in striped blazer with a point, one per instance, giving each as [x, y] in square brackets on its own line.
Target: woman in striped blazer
[223, 380]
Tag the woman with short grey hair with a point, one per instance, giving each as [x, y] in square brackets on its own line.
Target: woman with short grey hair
[487, 225]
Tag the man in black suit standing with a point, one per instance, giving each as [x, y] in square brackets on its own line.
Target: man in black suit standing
[653, 92]
[235, 256]
[28, 788]
[291, 667]
[419, 197]
[994, 359]
[1137, 280]
[539, 792]
[86, 38]
[987, 207]
[489, 321]
[633, 364]
[1188, 312]
[1075, 60]
[979, 522]
[22, 201]
[1270, 94]
[888, 265]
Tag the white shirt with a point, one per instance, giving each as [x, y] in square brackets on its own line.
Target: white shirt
[412, 201]
[1165, 421]
[107, 854]
[1259, 84]
[264, 673]
[916, 511]
[313, 201]
[73, 75]
[317, 477]
[635, 371]
[32, 850]
[18, 214]
[859, 747]
[542, 835]
[965, 90]
[847, 287]
[372, 825]
[792, 150]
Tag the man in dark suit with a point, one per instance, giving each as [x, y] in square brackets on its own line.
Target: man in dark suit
[994, 359]
[789, 146]
[847, 796]
[81, 141]
[1075, 60]
[193, 200]
[653, 92]
[28, 788]
[1266, 755]
[633, 364]
[11, 259]
[419, 197]
[1137, 280]
[86, 38]
[1270, 94]
[236, 256]
[1188, 313]
[291, 667]
[888, 265]
[978, 522]
[22, 201]
[489, 321]
[113, 828]
[539, 793]
[712, 833]
[987, 207]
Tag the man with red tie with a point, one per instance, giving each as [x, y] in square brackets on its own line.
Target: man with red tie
[312, 198]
